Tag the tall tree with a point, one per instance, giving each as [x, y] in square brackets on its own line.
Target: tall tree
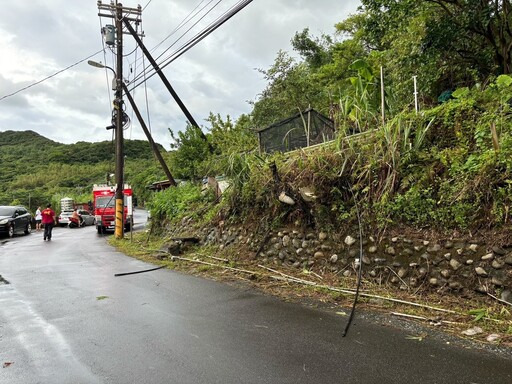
[291, 88]
[315, 51]
[190, 154]
[482, 24]
[472, 31]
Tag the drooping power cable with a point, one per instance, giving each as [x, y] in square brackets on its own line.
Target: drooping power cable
[360, 271]
[48, 77]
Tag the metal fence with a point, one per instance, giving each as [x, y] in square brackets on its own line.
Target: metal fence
[302, 130]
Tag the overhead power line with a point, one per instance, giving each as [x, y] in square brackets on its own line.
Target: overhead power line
[48, 77]
[192, 26]
[144, 76]
[192, 14]
[200, 36]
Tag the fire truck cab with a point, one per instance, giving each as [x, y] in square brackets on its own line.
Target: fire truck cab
[104, 202]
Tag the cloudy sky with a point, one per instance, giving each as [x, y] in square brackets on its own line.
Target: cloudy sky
[41, 38]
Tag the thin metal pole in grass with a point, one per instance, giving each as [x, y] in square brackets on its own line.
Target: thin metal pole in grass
[383, 103]
[415, 94]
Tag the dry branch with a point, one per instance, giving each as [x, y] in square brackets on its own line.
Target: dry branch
[218, 259]
[215, 265]
[353, 292]
[501, 301]
[288, 278]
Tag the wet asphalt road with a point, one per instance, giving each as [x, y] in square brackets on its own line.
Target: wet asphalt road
[65, 318]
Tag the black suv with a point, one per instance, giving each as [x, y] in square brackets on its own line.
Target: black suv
[15, 219]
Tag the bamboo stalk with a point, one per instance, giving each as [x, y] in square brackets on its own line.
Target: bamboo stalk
[218, 259]
[410, 316]
[501, 301]
[424, 318]
[296, 279]
[289, 278]
[350, 292]
[215, 265]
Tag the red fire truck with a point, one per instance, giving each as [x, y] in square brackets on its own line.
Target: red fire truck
[104, 203]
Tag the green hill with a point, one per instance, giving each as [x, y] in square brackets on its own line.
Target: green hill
[36, 170]
[29, 138]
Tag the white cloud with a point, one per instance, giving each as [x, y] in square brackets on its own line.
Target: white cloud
[41, 37]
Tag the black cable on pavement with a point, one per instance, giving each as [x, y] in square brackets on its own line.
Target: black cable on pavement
[145, 270]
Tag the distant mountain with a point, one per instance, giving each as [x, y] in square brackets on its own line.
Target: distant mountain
[14, 144]
[24, 137]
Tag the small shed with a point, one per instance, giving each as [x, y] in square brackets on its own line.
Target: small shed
[301, 130]
[160, 185]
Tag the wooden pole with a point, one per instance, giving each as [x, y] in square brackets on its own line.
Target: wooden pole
[119, 226]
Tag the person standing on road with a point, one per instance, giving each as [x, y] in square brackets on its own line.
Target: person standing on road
[38, 219]
[48, 219]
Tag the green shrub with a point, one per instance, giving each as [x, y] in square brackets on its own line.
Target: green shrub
[173, 203]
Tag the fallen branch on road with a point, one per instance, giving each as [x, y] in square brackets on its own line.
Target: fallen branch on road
[415, 317]
[353, 292]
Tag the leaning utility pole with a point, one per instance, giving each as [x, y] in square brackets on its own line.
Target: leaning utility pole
[166, 82]
[117, 12]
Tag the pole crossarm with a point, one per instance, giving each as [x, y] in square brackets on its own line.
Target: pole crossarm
[137, 12]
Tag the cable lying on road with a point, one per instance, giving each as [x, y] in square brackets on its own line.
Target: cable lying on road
[145, 270]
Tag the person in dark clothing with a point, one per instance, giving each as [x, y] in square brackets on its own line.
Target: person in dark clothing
[48, 220]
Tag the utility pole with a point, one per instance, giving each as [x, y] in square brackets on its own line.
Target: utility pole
[117, 12]
[118, 104]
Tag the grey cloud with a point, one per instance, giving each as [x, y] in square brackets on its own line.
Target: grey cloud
[217, 75]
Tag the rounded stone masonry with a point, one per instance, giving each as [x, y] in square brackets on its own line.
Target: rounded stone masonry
[400, 261]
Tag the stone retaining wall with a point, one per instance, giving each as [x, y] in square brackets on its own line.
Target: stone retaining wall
[407, 263]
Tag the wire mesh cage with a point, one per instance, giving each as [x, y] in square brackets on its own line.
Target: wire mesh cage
[301, 130]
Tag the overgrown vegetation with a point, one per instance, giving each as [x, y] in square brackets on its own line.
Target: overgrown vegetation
[444, 166]
[447, 166]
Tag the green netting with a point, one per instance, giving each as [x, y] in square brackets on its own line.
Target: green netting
[292, 133]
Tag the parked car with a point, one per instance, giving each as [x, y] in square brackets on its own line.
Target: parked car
[88, 219]
[15, 220]
[63, 218]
